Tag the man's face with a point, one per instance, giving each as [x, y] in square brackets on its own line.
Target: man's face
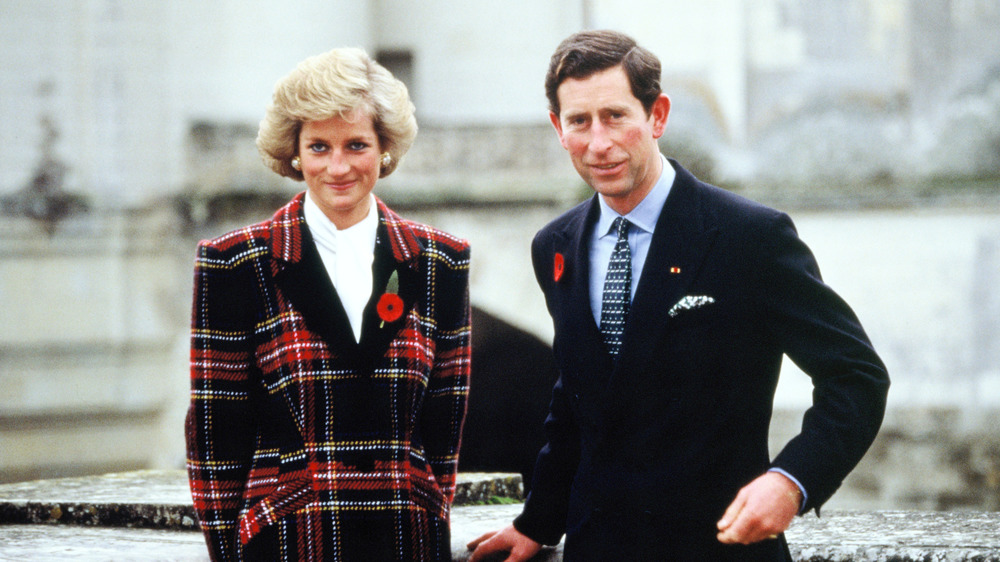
[609, 136]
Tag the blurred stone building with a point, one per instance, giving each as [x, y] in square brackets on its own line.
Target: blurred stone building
[762, 88]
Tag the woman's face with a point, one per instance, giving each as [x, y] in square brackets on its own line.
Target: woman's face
[340, 161]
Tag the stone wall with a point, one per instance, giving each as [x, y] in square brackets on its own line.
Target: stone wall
[92, 344]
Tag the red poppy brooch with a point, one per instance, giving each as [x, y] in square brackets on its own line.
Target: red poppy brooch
[390, 305]
[558, 266]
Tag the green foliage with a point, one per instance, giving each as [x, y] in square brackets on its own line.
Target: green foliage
[502, 500]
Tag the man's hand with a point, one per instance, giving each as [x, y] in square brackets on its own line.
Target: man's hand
[509, 540]
[763, 509]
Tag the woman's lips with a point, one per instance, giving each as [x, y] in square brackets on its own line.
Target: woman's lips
[340, 186]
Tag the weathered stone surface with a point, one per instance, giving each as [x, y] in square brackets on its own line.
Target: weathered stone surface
[487, 487]
[107, 510]
[893, 536]
[838, 536]
[73, 542]
[896, 536]
[160, 498]
[149, 498]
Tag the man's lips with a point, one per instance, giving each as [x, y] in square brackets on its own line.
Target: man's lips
[607, 168]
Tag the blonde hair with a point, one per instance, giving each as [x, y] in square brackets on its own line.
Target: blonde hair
[333, 84]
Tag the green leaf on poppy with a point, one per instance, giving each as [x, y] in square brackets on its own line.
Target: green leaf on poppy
[393, 285]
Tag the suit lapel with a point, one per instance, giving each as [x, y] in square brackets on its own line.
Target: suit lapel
[680, 243]
[573, 290]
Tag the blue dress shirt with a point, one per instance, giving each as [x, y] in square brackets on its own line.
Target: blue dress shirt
[602, 240]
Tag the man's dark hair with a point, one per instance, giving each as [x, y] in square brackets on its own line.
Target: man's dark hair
[588, 52]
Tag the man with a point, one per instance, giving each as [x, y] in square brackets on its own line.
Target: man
[669, 335]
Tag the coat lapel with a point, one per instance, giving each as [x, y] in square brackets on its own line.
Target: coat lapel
[302, 278]
[397, 249]
[573, 291]
[678, 249]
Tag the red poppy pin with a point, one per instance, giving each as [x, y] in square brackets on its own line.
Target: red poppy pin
[558, 266]
[390, 306]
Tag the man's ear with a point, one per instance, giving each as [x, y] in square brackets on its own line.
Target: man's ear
[558, 126]
[659, 113]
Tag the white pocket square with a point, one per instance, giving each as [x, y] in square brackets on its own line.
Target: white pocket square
[689, 302]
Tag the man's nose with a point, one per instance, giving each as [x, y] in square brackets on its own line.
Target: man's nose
[600, 138]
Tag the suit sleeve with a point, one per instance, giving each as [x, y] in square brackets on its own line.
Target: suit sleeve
[545, 510]
[445, 402]
[219, 428]
[822, 335]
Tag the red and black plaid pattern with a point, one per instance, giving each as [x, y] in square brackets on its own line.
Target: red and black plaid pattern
[299, 449]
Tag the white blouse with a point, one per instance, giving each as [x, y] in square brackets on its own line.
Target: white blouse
[347, 256]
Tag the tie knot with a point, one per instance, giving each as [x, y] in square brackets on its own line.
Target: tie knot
[620, 226]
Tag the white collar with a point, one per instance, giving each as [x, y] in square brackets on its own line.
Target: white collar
[360, 236]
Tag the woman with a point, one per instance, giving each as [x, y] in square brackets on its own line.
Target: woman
[330, 344]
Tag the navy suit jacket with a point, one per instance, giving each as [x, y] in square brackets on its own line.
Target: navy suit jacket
[643, 457]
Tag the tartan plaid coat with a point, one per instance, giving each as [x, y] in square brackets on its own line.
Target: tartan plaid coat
[302, 443]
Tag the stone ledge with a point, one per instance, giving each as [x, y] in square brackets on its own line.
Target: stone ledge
[474, 488]
[896, 536]
[73, 542]
[149, 499]
[160, 499]
[839, 536]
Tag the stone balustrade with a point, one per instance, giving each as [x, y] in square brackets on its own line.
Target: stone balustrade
[147, 515]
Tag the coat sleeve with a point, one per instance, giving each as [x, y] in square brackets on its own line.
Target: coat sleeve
[545, 510]
[219, 428]
[547, 506]
[823, 336]
[444, 407]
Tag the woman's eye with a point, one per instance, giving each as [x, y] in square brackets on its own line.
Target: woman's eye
[317, 147]
[358, 145]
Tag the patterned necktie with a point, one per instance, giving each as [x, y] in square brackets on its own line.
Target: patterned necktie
[617, 290]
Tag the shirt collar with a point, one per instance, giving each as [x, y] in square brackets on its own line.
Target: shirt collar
[647, 212]
[326, 233]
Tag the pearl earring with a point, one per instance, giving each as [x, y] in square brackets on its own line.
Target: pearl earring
[296, 163]
[386, 159]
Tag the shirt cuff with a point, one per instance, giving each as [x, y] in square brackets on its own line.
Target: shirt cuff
[795, 480]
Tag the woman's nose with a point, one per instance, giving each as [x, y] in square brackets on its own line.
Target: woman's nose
[337, 164]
